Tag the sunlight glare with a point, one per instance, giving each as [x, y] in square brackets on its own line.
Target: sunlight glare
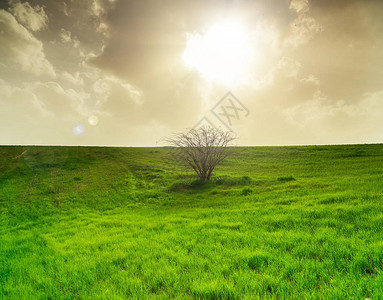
[223, 54]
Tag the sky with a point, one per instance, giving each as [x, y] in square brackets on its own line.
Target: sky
[132, 72]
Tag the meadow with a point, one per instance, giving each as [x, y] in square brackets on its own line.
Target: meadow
[115, 223]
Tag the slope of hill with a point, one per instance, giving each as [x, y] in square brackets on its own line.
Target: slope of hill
[274, 222]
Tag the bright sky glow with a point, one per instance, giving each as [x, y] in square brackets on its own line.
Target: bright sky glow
[223, 54]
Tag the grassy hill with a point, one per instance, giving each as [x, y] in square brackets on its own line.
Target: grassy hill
[115, 223]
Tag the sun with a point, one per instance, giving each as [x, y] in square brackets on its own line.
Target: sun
[223, 54]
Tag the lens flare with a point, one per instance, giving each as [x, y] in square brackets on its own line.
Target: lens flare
[78, 129]
[93, 120]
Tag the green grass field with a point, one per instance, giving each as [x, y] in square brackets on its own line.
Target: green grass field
[116, 223]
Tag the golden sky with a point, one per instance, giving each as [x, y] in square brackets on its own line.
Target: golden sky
[121, 72]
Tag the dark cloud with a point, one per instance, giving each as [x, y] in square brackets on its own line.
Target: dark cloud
[147, 40]
[344, 57]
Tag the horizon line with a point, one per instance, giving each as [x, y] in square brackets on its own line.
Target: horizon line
[125, 146]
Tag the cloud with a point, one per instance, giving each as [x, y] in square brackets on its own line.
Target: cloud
[18, 47]
[315, 61]
[115, 95]
[20, 115]
[149, 40]
[99, 8]
[288, 67]
[65, 36]
[75, 79]
[65, 8]
[300, 6]
[304, 27]
[33, 18]
[315, 119]
[61, 103]
[286, 84]
[340, 122]
[345, 72]
[48, 99]
[40, 112]
[5, 89]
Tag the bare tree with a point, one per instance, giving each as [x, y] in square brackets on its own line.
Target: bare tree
[202, 149]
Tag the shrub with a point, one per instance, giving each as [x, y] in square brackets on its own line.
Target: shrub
[286, 179]
[246, 191]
